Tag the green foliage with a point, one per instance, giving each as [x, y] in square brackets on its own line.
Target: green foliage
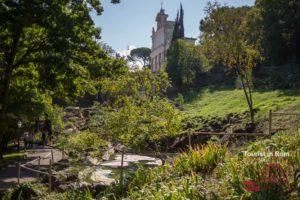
[178, 32]
[224, 40]
[173, 182]
[239, 167]
[185, 61]
[70, 195]
[135, 112]
[23, 192]
[200, 159]
[179, 99]
[279, 29]
[174, 189]
[142, 55]
[218, 101]
[40, 60]
[138, 125]
[78, 142]
[140, 86]
[14, 155]
[159, 183]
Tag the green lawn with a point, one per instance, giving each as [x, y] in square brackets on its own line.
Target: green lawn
[221, 101]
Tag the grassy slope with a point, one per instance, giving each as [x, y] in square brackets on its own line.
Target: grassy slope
[221, 101]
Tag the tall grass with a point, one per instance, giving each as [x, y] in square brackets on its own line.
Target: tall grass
[200, 159]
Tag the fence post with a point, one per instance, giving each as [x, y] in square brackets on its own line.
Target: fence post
[190, 140]
[52, 157]
[39, 164]
[270, 122]
[121, 173]
[18, 172]
[50, 175]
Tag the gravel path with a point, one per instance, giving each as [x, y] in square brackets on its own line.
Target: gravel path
[8, 176]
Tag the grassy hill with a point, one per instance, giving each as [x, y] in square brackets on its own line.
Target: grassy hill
[219, 101]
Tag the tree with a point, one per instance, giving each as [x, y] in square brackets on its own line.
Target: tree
[138, 85]
[178, 31]
[184, 62]
[54, 41]
[279, 22]
[141, 125]
[224, 40]
[141, 55]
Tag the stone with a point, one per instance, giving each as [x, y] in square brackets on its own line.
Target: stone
[101, 176]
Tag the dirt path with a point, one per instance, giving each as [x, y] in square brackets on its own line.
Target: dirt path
[8, 176]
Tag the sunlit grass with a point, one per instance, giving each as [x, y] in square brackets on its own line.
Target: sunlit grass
[221, 101]
[13, 155]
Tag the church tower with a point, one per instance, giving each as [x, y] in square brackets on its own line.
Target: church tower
[161, 40]
[162, 37]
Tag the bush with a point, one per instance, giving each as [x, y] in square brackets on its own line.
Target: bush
[23, 192]
[78, 142]
[143, 124]
[70, 195]
[200, 159]
[273, 176]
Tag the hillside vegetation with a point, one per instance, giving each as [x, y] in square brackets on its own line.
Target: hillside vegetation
[216, 172]
[218, 101]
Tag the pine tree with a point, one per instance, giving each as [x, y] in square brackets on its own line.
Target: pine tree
[175, 32]
[179, 26]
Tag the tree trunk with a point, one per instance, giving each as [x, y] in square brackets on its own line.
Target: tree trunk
[1, 151]
[8, 70]
[248, 94]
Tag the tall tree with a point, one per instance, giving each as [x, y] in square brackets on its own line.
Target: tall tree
[53, 40]
[181, 23]
[224, 40]
[141, 55]
[185, 61]
[178, 31]
[279, 22]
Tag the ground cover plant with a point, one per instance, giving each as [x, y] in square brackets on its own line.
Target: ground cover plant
[226, 175]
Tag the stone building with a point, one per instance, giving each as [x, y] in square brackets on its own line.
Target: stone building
[161, 40]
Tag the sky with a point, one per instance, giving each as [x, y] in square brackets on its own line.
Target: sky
[129, 24]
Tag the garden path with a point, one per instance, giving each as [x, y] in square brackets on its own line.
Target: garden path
[8, 175]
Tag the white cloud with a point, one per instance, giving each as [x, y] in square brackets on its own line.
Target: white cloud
[126, 52]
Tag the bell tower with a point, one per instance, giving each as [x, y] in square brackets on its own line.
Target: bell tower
[161, 18]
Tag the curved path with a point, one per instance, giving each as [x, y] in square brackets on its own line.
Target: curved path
[8, 175]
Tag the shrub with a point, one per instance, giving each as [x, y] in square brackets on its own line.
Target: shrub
[80, 141]
[200, 159]
[138, 125]
[23, 192]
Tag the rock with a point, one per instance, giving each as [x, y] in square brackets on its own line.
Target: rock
[108, 153]
[65, 187]
[93, 161]
[131, 158]
[101, 176]
[85, 174]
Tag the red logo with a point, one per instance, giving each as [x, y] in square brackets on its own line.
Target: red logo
[270, 176]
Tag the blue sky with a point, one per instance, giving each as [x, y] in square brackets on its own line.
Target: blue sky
[130, 22]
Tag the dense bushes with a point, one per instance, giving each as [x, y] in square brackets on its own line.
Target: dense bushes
[178, 181]
[138, 125]
[24, 192]
[78, 142]
[242, 168]
[200, 159]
